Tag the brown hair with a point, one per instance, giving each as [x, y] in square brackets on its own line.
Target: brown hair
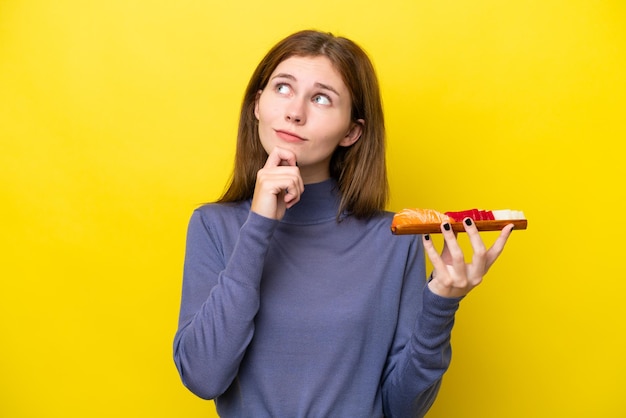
[359, 169]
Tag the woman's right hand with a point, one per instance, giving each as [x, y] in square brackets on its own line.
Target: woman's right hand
[278, 185]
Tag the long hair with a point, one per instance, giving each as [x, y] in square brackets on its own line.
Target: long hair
[360, 169]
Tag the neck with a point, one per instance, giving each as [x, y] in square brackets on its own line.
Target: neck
[319, 202]
[315, 173]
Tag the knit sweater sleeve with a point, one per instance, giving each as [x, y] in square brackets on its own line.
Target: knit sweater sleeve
[220, 299]
[422, 350]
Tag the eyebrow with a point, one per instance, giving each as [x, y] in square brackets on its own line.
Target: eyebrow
[317, 84]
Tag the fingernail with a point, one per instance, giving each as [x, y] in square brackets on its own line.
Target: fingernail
[446, 226]
[426, 237]
[468, 222]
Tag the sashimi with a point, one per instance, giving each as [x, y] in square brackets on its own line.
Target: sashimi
[475, 214]
[417, 220]
[419, 216]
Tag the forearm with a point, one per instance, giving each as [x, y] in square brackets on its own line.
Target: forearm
[208, 350]
[413, 386]
[213, 338]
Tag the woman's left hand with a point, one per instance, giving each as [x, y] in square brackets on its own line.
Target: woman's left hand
[452, 276]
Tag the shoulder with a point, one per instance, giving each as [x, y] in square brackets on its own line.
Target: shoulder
[222, 210]
[378, 227]
[381, 221]
[220, 216]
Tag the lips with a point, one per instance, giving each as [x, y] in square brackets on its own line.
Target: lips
[289, 136]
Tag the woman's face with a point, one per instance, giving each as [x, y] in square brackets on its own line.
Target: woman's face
[306, 108]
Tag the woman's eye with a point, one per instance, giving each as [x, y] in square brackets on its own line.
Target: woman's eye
[282, 88]
[321, 99]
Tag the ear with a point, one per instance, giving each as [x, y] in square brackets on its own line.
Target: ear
[354, 133]
[256, 104]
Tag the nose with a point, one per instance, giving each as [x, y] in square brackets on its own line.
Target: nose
[295, 112]
[294, 118]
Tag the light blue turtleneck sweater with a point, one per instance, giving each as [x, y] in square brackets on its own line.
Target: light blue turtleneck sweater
[309, 317]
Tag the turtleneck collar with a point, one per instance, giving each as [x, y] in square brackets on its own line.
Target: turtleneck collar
[319, 203]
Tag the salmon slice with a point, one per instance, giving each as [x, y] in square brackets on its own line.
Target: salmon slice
[418, 216]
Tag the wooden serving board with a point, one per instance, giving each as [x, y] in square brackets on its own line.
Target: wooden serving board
[457, 227]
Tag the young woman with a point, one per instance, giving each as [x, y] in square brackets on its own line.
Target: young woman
[297, 300]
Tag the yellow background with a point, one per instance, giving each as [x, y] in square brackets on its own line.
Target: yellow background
[118, 117]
